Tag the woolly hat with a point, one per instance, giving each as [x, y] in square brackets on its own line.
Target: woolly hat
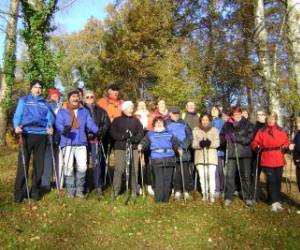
[53, 92]
[126, 105]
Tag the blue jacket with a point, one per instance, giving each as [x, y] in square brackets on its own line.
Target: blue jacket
[184, 134]
[218, 123]
[33, 114]
[161, 144]
[77, 137]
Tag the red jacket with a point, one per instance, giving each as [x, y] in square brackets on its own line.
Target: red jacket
[271, 140]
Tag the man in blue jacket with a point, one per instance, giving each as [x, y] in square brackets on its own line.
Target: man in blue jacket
[33, 120]
[183, 133]
[72, 123]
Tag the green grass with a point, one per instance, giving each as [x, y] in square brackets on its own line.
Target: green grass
[90, 224]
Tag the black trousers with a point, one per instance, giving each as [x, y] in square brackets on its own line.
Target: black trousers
[274, 176]
[298, 174]
[245, 172]
[187, 175]
[163, 176]
[36, 144]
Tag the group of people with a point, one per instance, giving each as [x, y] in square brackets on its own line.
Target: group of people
[223, 151]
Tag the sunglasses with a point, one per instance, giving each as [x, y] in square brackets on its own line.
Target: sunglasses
[89, 97]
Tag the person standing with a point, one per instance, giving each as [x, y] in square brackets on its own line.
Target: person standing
[102, 120]
[123, 128]
[72, 123]
[53, 101]
[183, 133]
[161, 110]
[237, 136]
[272, 142]
[218, 123]
[111, 103]
[205, 142]
[191, 117]
[32, 120]
[162, 146]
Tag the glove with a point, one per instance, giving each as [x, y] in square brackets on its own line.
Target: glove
[202, 144]
[257, 149]
[230, 137]
[67, 129]
[208, 143]
[99, 135]
[90, 136]
[284, 150]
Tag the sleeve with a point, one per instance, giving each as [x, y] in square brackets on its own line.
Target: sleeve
[90, 124]
[50, 118]
[114, 131]
[106, 123]
[196, 139]
[257, 141]
[145, 142]
[59, 121]
[139, 132]
[215, 142]
[247, 137]
[189, 137]
[19, 113]
[286, 140]
[175, 143]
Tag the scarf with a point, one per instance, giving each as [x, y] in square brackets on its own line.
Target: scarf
[74, 121]
[205, 129]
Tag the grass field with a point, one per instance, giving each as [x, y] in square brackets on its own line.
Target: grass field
[90, 224]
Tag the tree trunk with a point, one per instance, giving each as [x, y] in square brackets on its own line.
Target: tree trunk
[261, 37]
[8, 67]
[293, 22]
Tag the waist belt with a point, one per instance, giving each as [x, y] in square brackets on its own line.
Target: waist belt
[271, 149]
[163, 150]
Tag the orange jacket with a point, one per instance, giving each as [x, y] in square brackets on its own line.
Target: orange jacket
[112, 107]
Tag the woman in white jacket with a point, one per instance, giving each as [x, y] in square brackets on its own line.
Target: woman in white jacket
[206, 140]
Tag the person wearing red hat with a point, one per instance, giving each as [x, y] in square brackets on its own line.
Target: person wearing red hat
[53, 101]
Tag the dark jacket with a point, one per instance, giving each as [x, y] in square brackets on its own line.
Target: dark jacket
[118, 130]
[242, 133]
[101, 119]
[296, 151]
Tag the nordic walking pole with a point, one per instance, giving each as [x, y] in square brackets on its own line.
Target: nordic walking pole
[142, 173]
[204, 173]
[196, 179]
[256, 176]
[106, 158]
[127, 170]
[239, 169]
[182, 178]
[289, 188]
[24, 168]
[54, 164]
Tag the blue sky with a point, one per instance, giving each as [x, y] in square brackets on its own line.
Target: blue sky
[70, 19]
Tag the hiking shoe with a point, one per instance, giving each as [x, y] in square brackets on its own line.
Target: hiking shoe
[150, 190]
[276, 207]
[298, 212]
[236, 193]
[217, 195]
[177, 195]
[99, 193]
[227, 202]
[80, 195]
[205, 197]
[249, 203]
[69, 195]
[187, 195]
[212, 199]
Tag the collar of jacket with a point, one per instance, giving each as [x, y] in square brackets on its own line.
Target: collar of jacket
[36, 97]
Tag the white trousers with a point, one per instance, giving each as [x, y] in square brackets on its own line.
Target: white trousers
[207, 179]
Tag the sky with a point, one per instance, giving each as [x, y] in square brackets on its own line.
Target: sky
[70, 19]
